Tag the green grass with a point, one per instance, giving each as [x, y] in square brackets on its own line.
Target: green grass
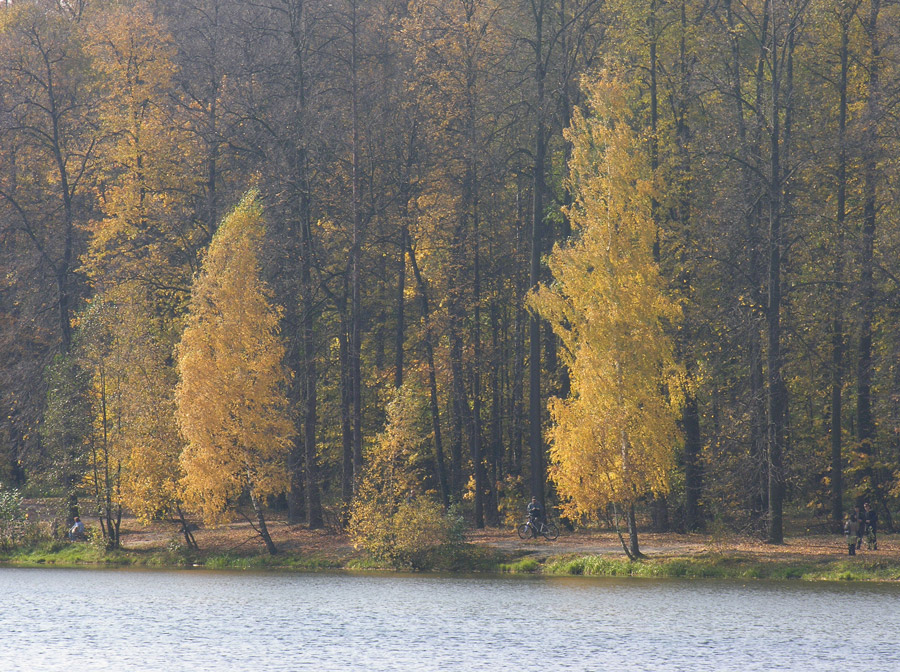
[470, 558]
[715, 566]
[366, 563]
[288, 561]
[521, 566]
[63, 554]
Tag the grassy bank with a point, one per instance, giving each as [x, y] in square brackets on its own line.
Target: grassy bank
[61, 554]
[474, 558]
[469, 558]
[715, 566]
[237, 547]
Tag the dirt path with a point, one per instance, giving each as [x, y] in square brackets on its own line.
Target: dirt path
[239, 537]
[811, 548]
[589, 543]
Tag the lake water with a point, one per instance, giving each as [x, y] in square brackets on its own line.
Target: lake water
[73, 620]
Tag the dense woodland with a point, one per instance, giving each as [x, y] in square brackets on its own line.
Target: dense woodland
[283, 252]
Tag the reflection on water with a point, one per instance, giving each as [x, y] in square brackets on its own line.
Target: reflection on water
[73, 620]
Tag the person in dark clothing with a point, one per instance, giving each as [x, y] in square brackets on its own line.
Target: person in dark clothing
[871, 526]
[861, 527]
[535, 514]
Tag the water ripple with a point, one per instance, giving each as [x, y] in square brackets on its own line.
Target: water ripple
[72, 620]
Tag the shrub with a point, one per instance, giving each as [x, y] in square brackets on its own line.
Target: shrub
[418, 535]
[12, 518]
[524, 565]
[392, 516]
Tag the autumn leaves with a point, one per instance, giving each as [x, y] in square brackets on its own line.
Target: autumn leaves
[231, 403]
[613, 438]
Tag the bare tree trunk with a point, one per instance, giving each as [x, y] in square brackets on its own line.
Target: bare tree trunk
[535, 438]
[463, 412]
[749, 149]
[693, 472]
[517, 407]
[775, 384]
[837, 322]
[633, 534]
[440, 470]
[263, 529]
[189, 540]
[865, 424]
[296, 500]
[496, 441]
[346, 403]
[355, 258]
[313, 500]
[400, 338]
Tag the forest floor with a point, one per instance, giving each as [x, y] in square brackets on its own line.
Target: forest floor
[240, 538]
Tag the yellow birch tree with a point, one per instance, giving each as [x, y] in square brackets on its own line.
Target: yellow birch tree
[230, 402]
[134, 443]
[613, 439]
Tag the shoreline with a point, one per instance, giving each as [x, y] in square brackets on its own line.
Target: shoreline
[496, 551]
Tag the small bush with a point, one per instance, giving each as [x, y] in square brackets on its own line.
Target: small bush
[178, 553]
[13, 521]
[419, 535]
[392, 517]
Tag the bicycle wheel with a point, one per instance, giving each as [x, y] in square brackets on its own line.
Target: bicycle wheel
[550, 531]
[524, 531]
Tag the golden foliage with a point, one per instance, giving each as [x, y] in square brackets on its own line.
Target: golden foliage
[231, 405]
[613, 438]
[147, 158]
[127, 354]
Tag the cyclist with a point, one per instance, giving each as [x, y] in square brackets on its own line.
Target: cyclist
[535, 514]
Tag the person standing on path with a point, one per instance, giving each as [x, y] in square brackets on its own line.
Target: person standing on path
[871, 526]
[851, 529]
[861, 527]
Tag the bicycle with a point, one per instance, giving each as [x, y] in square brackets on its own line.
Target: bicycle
[529, 530]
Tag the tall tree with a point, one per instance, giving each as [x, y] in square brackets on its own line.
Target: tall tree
[147, 234]
[231, 405]
[613, 437]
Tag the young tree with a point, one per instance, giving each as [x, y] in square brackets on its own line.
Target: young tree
[146, 233]
[613, 438]
[134, 448]
[230, 403]
[393, 516]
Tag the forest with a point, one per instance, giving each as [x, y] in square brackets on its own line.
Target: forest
[343, 259]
